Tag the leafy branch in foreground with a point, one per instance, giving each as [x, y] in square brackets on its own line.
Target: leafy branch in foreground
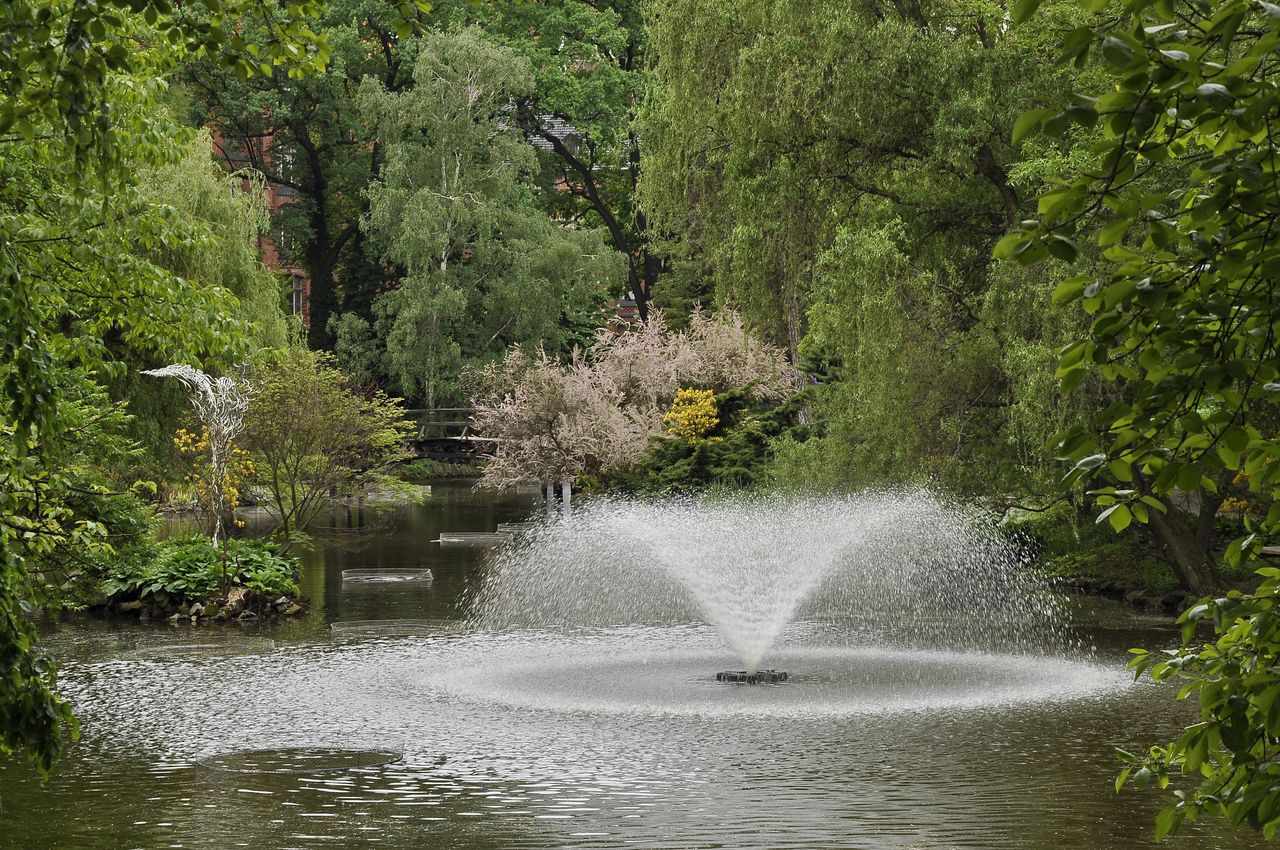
[1234, 748]
[1183, 202]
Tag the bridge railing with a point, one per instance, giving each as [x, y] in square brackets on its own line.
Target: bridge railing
[442, 423]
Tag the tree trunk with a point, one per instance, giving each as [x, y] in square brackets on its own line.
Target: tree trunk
[650, 266]
[566, 495]
[321, 251]
[324, 291]
[1185, 541]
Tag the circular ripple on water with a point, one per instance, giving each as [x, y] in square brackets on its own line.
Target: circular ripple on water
[298, 760]
[664, 675]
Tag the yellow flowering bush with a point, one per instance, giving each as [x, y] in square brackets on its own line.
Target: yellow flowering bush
[238, 469]
[1242, 504]
[692, 416]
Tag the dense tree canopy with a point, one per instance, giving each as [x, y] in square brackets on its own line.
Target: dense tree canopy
[842, 172]
[307, 138]
[589, 61]
[485, 267]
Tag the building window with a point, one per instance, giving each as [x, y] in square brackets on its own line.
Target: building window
[283, 245]
[298, 295]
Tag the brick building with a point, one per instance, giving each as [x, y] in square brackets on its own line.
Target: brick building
[278, 254]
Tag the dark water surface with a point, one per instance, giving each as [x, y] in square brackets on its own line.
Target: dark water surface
[595, 739]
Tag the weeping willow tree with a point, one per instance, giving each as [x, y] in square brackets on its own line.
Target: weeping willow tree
[226, 213]
[842, 172]
[222, 215]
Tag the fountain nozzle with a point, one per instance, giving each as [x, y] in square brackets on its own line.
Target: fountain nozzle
[742, 677]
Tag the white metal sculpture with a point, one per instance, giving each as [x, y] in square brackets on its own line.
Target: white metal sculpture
[221, 404]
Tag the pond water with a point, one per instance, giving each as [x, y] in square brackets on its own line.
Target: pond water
[601, 737]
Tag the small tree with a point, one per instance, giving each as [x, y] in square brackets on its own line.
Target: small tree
[317, 439]
[220, 404]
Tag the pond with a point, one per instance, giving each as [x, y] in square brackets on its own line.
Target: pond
[610, 735]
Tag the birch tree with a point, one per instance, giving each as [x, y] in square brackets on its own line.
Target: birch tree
[457, 210]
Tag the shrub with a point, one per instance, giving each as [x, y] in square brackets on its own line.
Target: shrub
[597, 414]
[693, 415]
[188, 569]
[731, 452]
[233, 476]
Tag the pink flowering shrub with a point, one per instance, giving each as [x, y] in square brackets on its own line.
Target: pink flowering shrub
[555, 421]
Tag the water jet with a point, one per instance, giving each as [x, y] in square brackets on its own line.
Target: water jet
[895, 568]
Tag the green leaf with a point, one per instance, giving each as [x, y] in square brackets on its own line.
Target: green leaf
[1062, 248]
[1091, 462]
[1113, 232]
[1216, 94]
[1028, 121]
[1069, 290]
[1023, 9]
[1118, 515]
[1121, 470]
[1118, 52]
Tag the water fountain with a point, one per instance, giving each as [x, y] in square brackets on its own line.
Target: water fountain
[929, 701]
[895, 570]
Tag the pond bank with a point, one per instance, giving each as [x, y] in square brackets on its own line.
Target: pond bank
[1133, 594]
[239, 604]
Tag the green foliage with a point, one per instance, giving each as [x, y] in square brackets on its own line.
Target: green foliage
[425, 469]
[315, 438]
[733, 454]
[1070, 545]
[1231, 750]
[590, 63]
[190, 569]
[1184, 314]
[841, 172]
[305, 137]
[224, 213]
[1182, 319]
[54, 522]
[79, 126]
[485, 267]
[217, 218]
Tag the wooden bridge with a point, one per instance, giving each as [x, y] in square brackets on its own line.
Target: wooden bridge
[445, 434]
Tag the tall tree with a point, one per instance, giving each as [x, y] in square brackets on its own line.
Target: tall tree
[589, 61]
[309, 142]
[485, 267]
[70, 276]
